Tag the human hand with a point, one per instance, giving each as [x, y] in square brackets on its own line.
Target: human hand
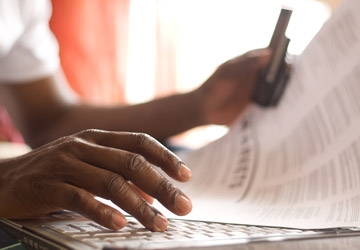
[67, 173]
[228, 91]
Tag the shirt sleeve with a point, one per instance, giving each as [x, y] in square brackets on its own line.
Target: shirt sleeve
[35, 54]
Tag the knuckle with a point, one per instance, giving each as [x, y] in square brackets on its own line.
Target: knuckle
[145, 141]
[165, 188]
[142, 139]
[88, 133]
[136, 163]
[72, 147]
[39, 186]
[141, 208]
[77, 199]
[66, 151]
[71, 144]
[116, 184]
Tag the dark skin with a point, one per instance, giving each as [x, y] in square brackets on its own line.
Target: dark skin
[65, 173]
[43, 112]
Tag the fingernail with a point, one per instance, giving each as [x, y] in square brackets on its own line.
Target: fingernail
[119, 220]
[160, 222]
[185, 171]
[183, 205]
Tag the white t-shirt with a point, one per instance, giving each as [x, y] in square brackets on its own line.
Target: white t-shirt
[28, 49]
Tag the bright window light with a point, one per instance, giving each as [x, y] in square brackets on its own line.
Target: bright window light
[142, 51]
[209, 32]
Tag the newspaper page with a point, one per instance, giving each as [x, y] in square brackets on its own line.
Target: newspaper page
[297, 165]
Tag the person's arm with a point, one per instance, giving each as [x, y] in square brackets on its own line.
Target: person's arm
[43, 112]
[68, 172]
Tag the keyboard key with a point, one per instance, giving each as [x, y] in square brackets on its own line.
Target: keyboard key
[134, 234]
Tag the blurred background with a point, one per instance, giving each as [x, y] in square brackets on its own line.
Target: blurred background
[112, 48]
[130, 51]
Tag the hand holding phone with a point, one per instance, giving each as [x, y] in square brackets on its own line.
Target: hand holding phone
[272, 80]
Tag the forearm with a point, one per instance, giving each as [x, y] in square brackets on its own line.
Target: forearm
[159, 118]
[43, 111]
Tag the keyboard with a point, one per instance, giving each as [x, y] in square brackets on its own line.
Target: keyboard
[178, 233]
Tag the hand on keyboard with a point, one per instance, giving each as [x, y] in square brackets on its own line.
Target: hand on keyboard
[67, 173]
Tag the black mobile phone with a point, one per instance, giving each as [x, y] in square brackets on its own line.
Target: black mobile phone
[272, 80]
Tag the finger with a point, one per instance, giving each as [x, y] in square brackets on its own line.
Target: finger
[126, 197]
[258, 58]
[121, 193]
[134, 168]
[253, 57]
[252, 60]
[137, 169]
[138, 143]
[113, 184]
[147, 197]
[78, 200]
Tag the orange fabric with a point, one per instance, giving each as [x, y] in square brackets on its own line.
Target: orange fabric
[93, 39]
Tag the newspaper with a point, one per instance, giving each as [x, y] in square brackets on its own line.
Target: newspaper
[297, 165]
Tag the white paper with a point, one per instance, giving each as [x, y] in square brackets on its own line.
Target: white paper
[297, 165]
